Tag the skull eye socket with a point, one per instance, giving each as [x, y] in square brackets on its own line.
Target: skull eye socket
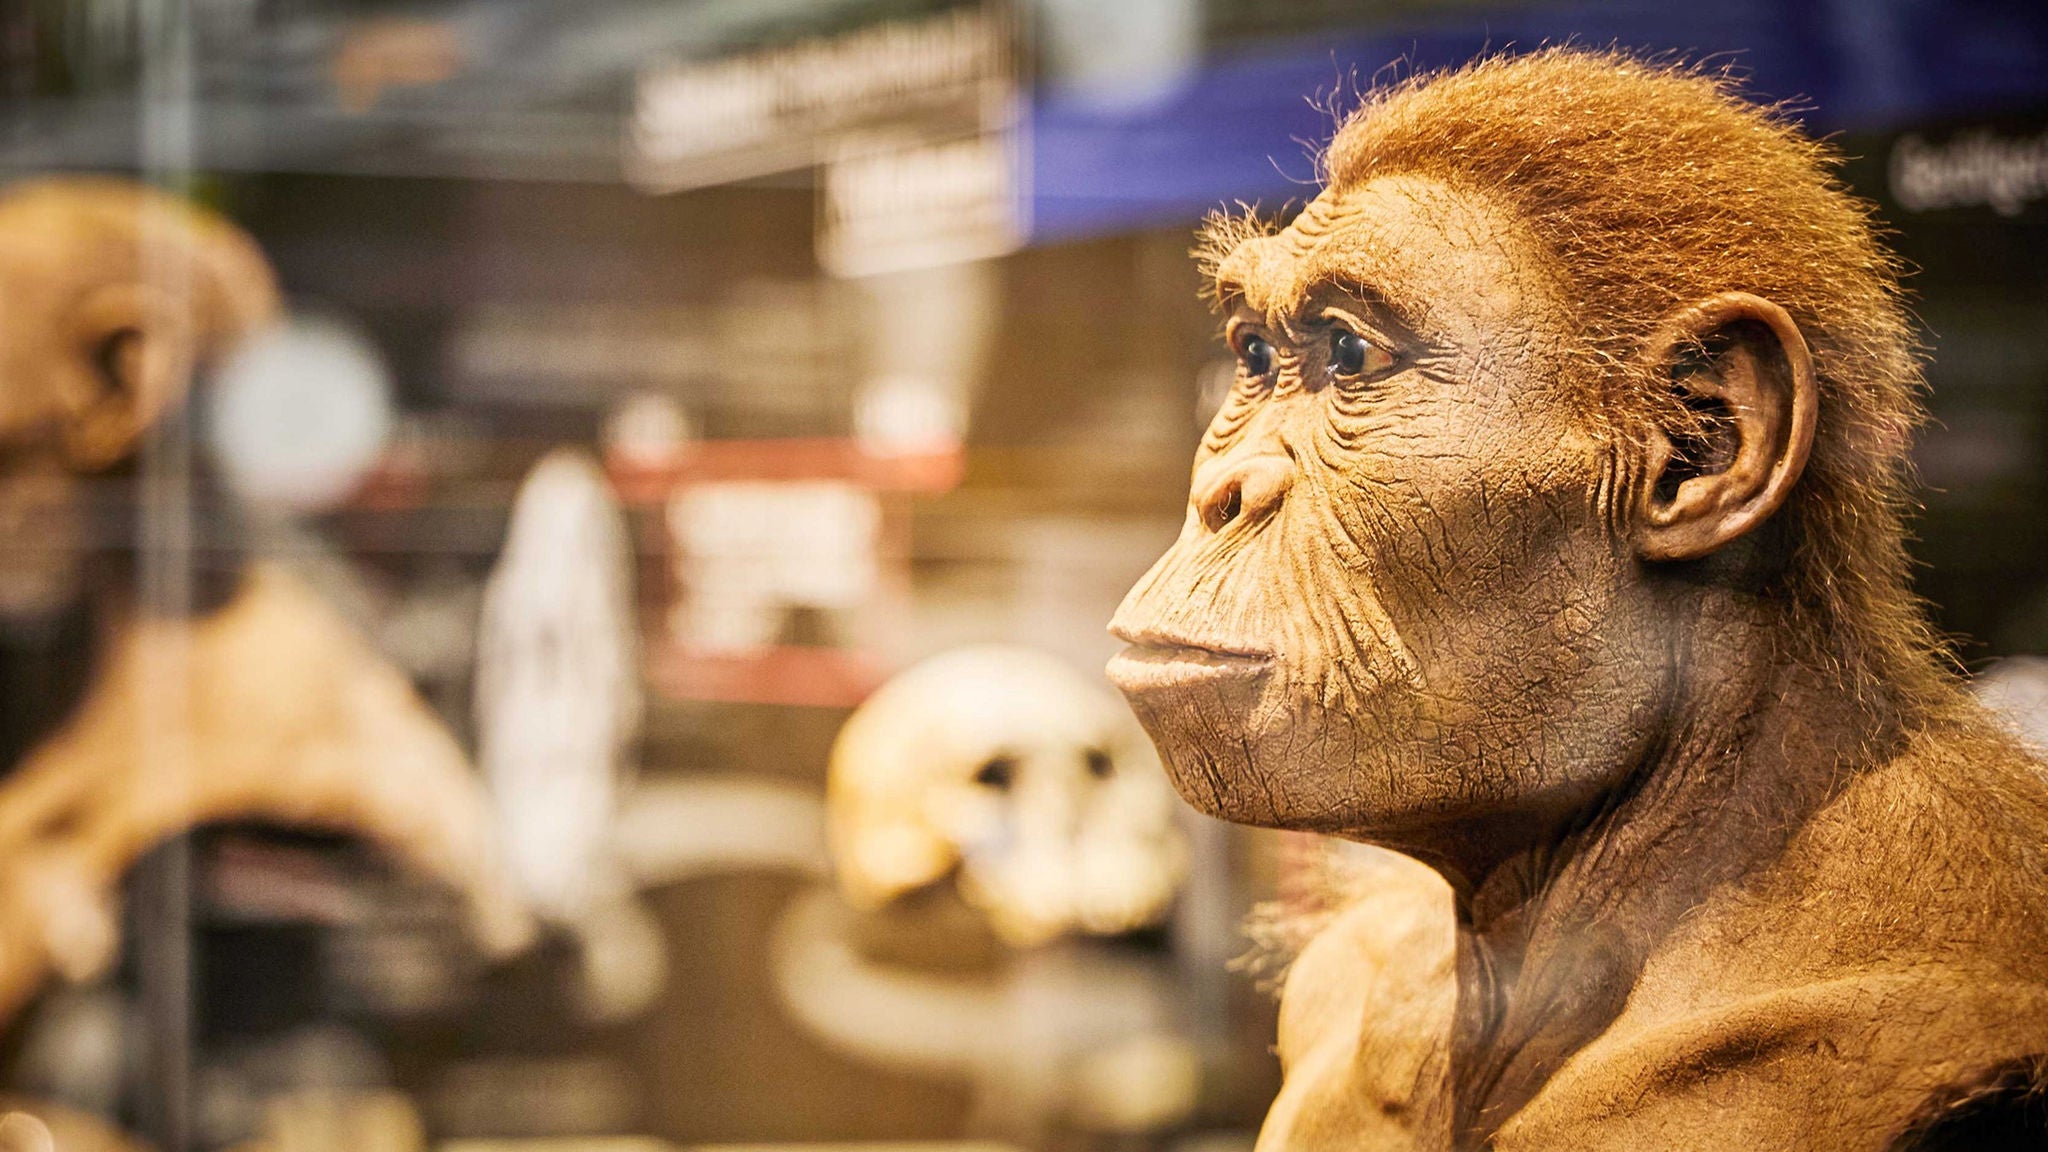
[998, 773]
[1099, 764]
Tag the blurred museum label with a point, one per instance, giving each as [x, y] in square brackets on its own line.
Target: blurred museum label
[702, 122]
[888, 206]
[1978, 166]
[913, 124]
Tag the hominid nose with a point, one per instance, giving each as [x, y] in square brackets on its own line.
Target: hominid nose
[1247, 490]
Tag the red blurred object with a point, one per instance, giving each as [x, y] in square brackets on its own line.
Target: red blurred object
[785, 674]
[816, 458]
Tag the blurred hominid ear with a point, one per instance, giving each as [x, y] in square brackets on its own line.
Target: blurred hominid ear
[1743, 371]
[148, 286]
[131, 350]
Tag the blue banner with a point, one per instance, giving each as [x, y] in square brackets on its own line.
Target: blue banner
[1245, 126]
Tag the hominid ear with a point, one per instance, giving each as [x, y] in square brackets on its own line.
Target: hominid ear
[1743, 371]
[131, 353]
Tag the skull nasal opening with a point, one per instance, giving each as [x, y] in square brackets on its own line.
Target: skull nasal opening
[1245, 490]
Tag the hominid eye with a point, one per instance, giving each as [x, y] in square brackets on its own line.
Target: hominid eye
[1354, 355]
[998, 773]
[1256, 355]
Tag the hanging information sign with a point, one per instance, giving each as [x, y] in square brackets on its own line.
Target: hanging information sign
[697, 123]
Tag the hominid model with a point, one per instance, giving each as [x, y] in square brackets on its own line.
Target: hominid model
[125, 722]
[1552, 536]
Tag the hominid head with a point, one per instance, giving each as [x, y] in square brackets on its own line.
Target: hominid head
[113, 295]
[1571, 353]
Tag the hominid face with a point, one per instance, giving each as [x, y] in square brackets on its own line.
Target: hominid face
[1395, 604]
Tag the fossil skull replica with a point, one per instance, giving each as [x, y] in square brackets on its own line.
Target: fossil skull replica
[1019, 774]
[269, 708]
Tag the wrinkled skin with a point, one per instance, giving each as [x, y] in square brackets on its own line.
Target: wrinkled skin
[1370, 506]
[1412, 606]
